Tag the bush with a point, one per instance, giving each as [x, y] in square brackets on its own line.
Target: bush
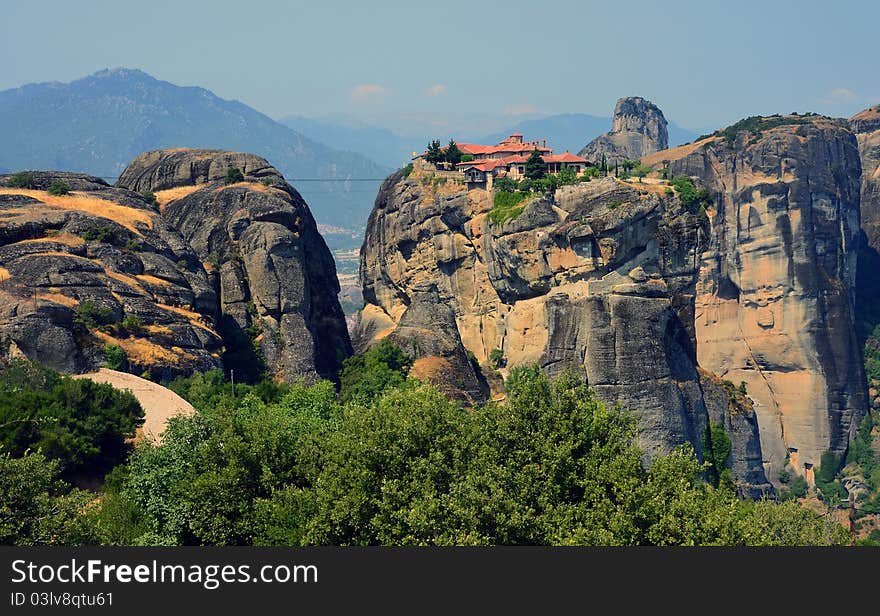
[82, 424]
[131, 326]
[505, 184]
[115, 358]
[799, 486]
[690, 197]
[496, 358]
[100, 234]
[150, 196]
[234, 175]
[59, 188]
[364, 377]
[407, 170]
[90, 315]
[37, 507]
[22, 179]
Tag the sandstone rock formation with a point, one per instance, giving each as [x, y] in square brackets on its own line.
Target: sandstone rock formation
[274, 277]
[866, 126]
[774, 306]
[638, 129]
[72, 267]
[600, 279]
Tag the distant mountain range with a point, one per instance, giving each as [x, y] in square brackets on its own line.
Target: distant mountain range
[99, 123]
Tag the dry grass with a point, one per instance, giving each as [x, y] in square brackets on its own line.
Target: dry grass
[194, 318]
[676, 153]
[58, 298]
[153, 280]
[54, 253]
[4, 274]
[255, 186]
[128, 217]
[127, 281]
[146, 353]
[164, 197]
[159, 330]
[68, 239]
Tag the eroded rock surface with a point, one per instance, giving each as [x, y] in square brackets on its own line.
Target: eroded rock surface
[73, 267]
[774, 305]
[274, 275]
[600, 280]
[639, 129]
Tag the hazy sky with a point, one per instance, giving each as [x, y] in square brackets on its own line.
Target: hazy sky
[705, 63]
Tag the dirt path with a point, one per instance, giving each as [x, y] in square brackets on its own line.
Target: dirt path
[159, 403]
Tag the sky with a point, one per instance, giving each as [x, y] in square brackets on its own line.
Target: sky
[407, 64]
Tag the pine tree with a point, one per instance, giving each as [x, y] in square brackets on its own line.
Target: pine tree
[434, 153]
[453, 154]
[536, 168]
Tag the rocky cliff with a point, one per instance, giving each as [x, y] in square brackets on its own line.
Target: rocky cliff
[601, 279]
[175, 267]
[775, 295]
[866, 126]
[74, 266]
[638, 129]
[274, 276]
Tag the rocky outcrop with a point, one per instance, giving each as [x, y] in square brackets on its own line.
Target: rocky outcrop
[98, 268]
[638, 129]
[774, 305]
[601, 280]
[734, 410]
[274, 277]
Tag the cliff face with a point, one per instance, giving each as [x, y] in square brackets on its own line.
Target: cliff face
[274, 275]
[638, 129]
[72, 267]
[600, 280]
[775, 295]
[866, 126]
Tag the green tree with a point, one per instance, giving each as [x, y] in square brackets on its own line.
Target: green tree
[59, 188]
[567, 175]
[363, 377]
[535, 167]
[82, 424]
[234, 175]
[453, 154]
[435, 152]
[505, 184]
[37, 508]
[22, 179]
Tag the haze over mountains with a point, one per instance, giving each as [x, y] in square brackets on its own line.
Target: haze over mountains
[97, 124]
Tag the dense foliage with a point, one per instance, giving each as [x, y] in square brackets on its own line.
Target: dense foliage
[552, 465]
[81, 424]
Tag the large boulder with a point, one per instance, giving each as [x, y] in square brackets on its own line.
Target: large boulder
[274, 276]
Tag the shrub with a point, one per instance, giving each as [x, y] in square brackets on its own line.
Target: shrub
[466, 158]
[22, 179]
[115, 358]
[82, 424]
[407, 170]
[496, 358]
[799, 486]
[364, 377]
[131, 325]
[90, 315]
[100, 234]
[132, 245]
[234, 175]
[150, 196]
[59, 188]
[505, 184]
[690, 197]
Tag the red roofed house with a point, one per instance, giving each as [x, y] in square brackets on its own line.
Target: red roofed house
[508, 159]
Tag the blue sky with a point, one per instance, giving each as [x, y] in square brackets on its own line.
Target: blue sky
[705, 63]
